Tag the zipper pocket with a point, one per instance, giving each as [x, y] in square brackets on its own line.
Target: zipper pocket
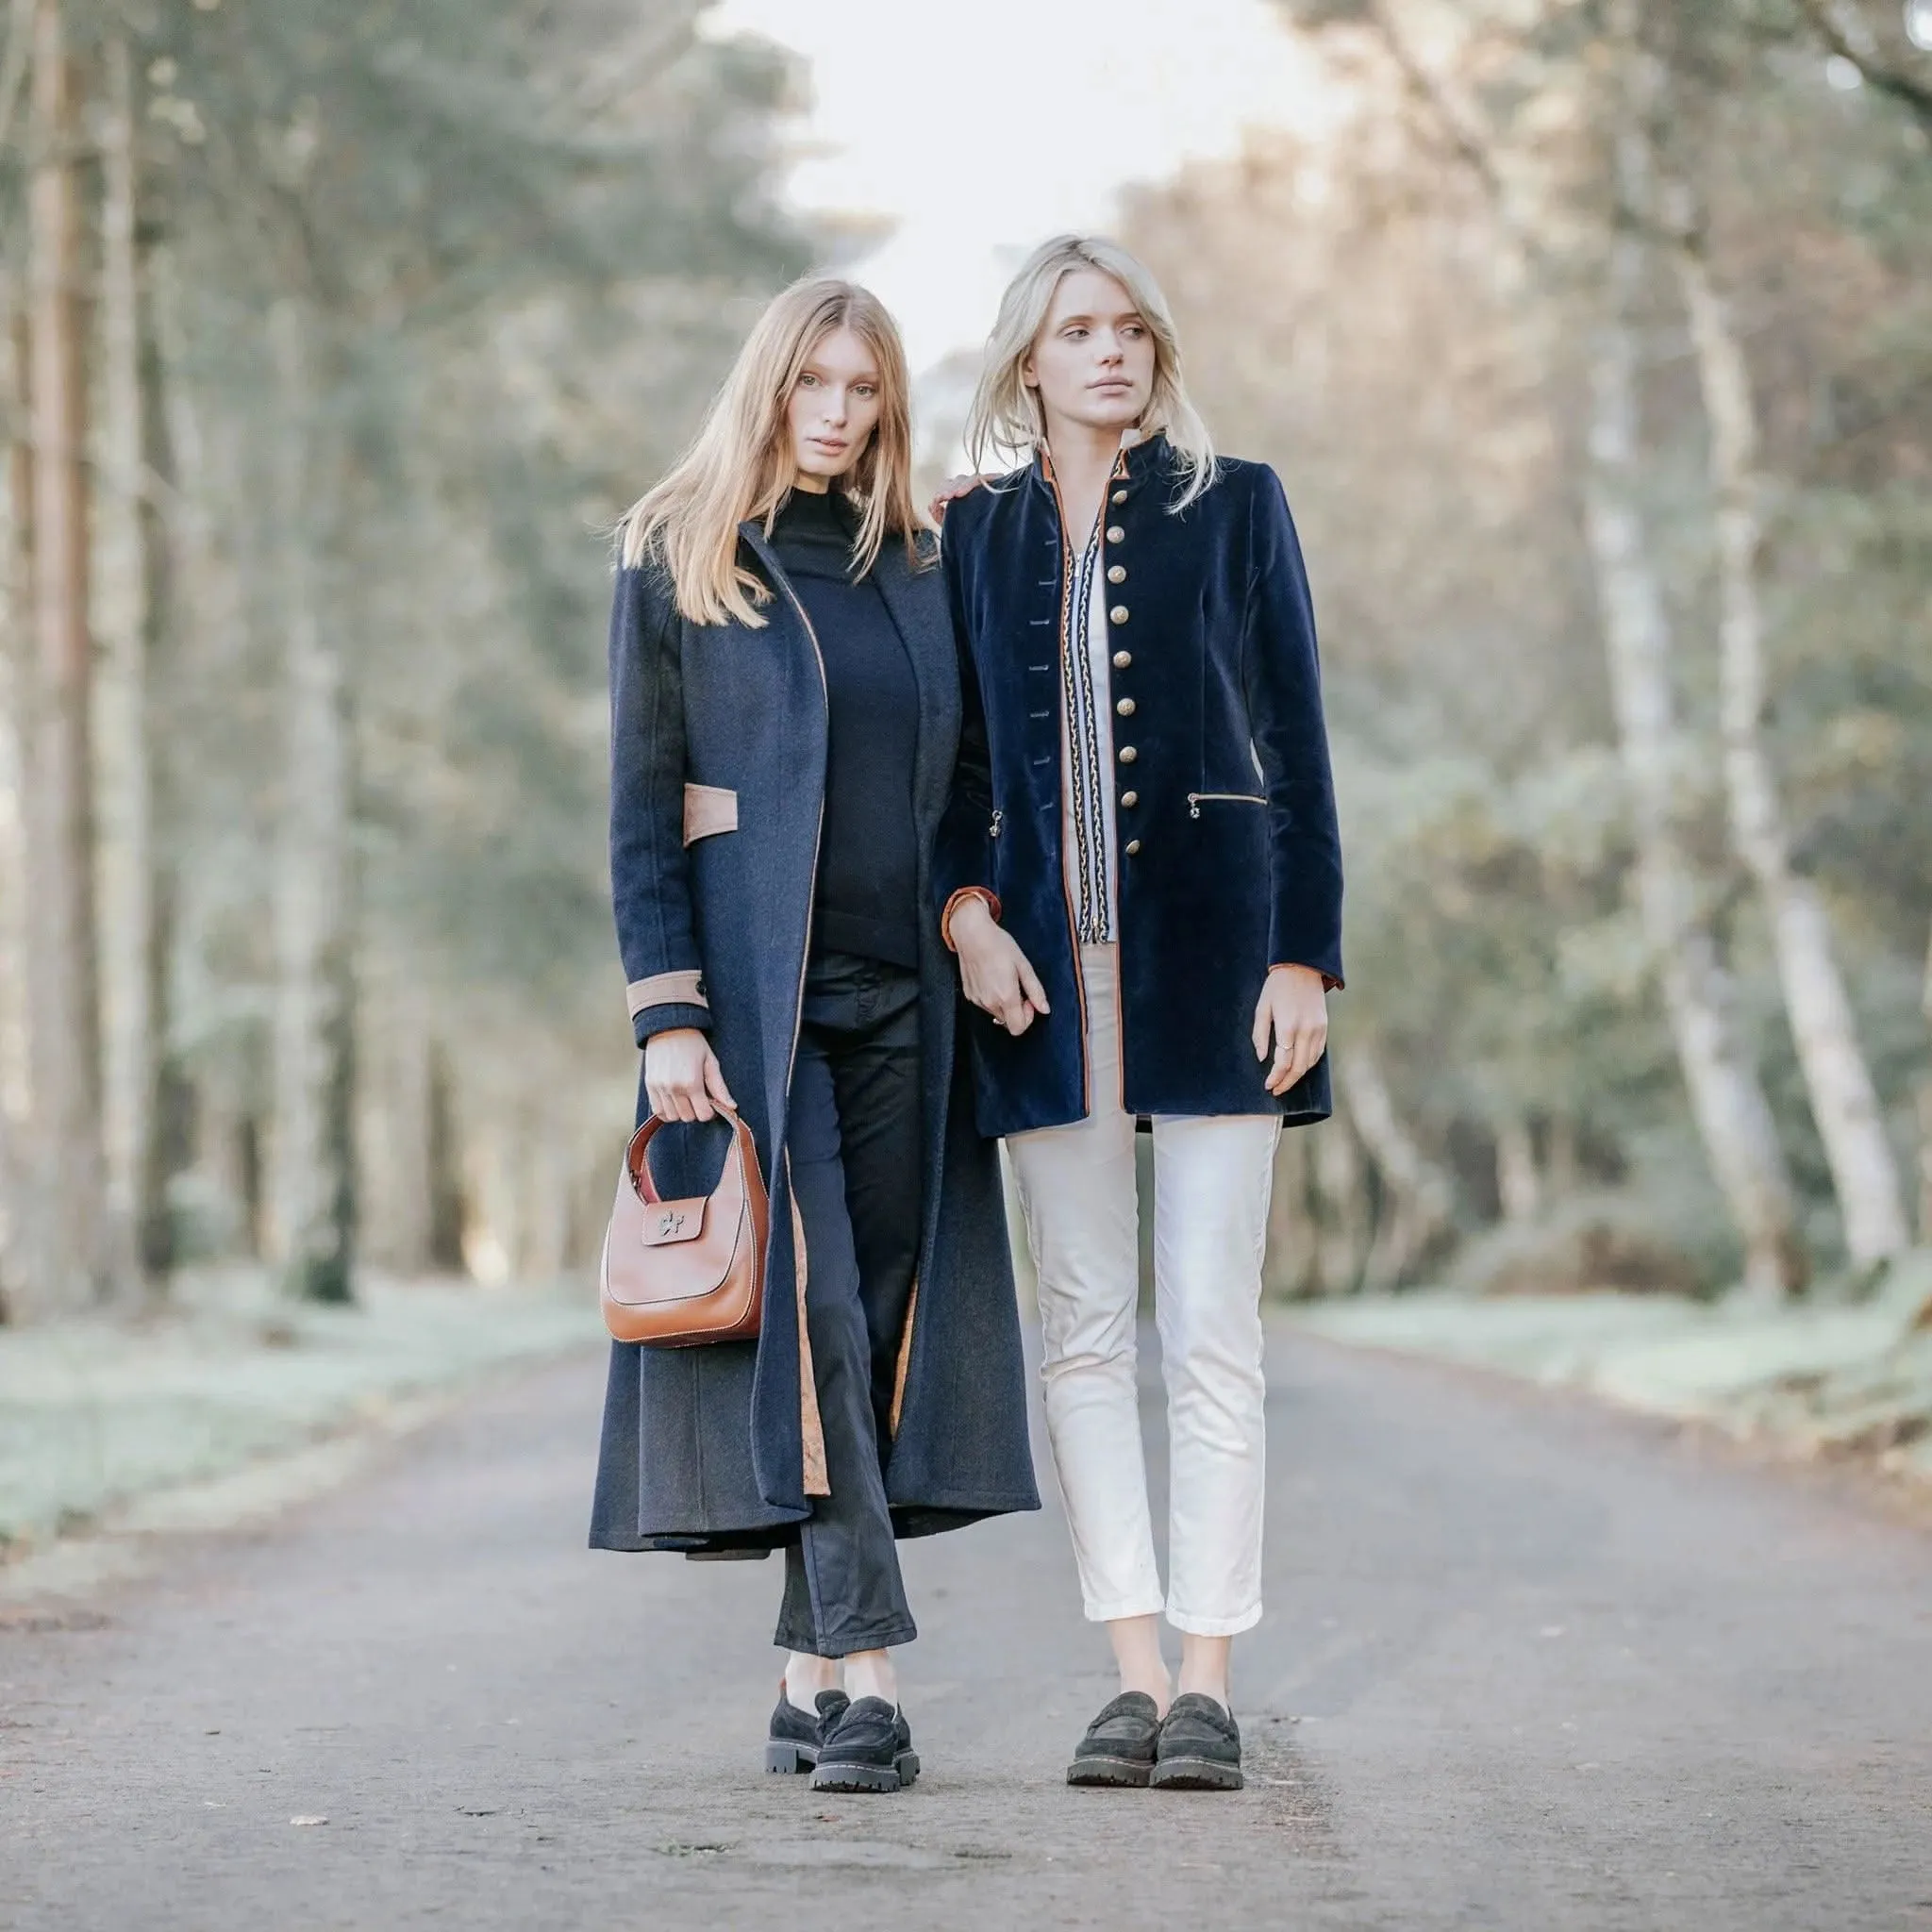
[1197, 799]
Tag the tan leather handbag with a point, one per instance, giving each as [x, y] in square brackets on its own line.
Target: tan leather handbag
[680, 1273]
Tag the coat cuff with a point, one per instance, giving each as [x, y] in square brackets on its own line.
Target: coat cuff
[666, 1000]
[958, 899]
[666, 1017]
[1331, 982]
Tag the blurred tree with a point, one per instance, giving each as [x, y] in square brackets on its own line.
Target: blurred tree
[398, 310]
[1499, 455]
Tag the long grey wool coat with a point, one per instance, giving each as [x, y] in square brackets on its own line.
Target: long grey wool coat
[718, 779]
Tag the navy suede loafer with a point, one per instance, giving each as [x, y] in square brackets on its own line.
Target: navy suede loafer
[868, 1748]
[1120, 1744]
[1200, 1748]
[796, 1736]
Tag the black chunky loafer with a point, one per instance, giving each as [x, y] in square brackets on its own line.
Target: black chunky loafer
[796, 1736]
[1200, 1748]
[867, 1748]
[1120, 1744]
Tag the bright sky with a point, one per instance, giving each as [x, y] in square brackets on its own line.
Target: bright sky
[982, 127]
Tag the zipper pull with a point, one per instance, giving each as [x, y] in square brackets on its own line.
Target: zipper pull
[996, 817]
[1193, 805]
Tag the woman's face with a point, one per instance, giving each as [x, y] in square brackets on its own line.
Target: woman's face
[1092, 361]
[833, 410]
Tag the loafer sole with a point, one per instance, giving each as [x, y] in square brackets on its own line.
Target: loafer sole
[902, 1774]
[790, 1760]
[1095, 1769]
[1196, 1774]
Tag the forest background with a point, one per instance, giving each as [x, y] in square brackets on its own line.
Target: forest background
[1592, 338]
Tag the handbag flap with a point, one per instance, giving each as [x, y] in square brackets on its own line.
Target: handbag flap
[669, 1222]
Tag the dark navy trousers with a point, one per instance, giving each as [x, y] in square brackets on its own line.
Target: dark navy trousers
[854, 1140]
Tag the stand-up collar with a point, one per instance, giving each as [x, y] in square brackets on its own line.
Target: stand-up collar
[1136, 461]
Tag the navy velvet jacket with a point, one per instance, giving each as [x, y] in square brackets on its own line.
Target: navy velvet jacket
[1229, 861]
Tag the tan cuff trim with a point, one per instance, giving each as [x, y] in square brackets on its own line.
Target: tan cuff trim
[708, 810]
[958, 898]
[1329, 982]
[666, 990]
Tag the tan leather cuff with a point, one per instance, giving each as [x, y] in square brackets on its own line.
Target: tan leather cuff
[1329, 982]
[958, 899]
[666, 990]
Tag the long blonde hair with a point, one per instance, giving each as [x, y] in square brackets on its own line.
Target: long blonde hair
[740, 464]
[1007, 417]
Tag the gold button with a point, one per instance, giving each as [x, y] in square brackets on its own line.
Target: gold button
[1119, 613]
[1116, 535]
[1122, 660]
[1125, 707]
[1129, 753]
[1119, 496]
[1117, 573]
[1130, 799]
[1133, 846]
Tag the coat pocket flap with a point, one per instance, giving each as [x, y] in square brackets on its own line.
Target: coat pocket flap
[666, 1223]
[708, 810]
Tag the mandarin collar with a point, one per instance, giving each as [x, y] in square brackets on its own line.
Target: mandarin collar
[1137, 462]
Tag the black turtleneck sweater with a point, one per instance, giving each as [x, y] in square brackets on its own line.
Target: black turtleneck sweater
[867, 886]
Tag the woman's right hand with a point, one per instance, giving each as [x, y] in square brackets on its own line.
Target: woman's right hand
[997, 977]
[682, 1077]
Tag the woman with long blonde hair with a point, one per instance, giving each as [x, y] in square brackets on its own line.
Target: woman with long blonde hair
[786, 713]
[1143, 876]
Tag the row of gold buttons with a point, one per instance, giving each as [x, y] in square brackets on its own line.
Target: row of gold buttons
[1117, 573]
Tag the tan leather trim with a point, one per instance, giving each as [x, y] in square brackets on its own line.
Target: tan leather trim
[905, 1356]
[666, 990]
[1329, 982]
[958, 898]
[708, 810]
[811, 1430]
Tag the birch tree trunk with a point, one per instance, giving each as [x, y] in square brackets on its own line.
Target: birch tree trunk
[122, 780]
[1416, 1194]
[65, 1040]
[1341, 1241]
[1727, 1100]
[1838, 1080]
[1519, 1185]
[1289, 1265]
[311, 1188]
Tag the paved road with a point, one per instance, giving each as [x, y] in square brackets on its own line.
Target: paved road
[1528, 1665]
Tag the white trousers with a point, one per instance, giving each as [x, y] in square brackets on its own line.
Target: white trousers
[1211, 1180]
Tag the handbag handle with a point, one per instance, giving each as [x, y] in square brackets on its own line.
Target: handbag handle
[636, 1162]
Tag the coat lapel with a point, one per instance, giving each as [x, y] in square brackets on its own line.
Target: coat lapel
[917, 606]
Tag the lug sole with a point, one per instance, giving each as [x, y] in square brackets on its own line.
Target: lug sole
[857, 1777]
[1196, 1774]
[791, 1760]
[1117, 1773]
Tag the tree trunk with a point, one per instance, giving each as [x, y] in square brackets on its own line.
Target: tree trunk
[444, 1158]
[123, 785]
[1288, 1267]
[1727, 1099]
[1925, 1123]
[1341, 1241]
[1416, 1195]
[1519, 1185]
[313, 1180]
[73, 1264]
[1845, 1102]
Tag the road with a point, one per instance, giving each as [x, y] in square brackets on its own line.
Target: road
[1528, 1665]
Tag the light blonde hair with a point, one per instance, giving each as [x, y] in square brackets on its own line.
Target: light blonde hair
[740, 465]
[1007, 416]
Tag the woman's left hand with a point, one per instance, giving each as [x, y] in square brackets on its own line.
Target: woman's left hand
[1292, 1020]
